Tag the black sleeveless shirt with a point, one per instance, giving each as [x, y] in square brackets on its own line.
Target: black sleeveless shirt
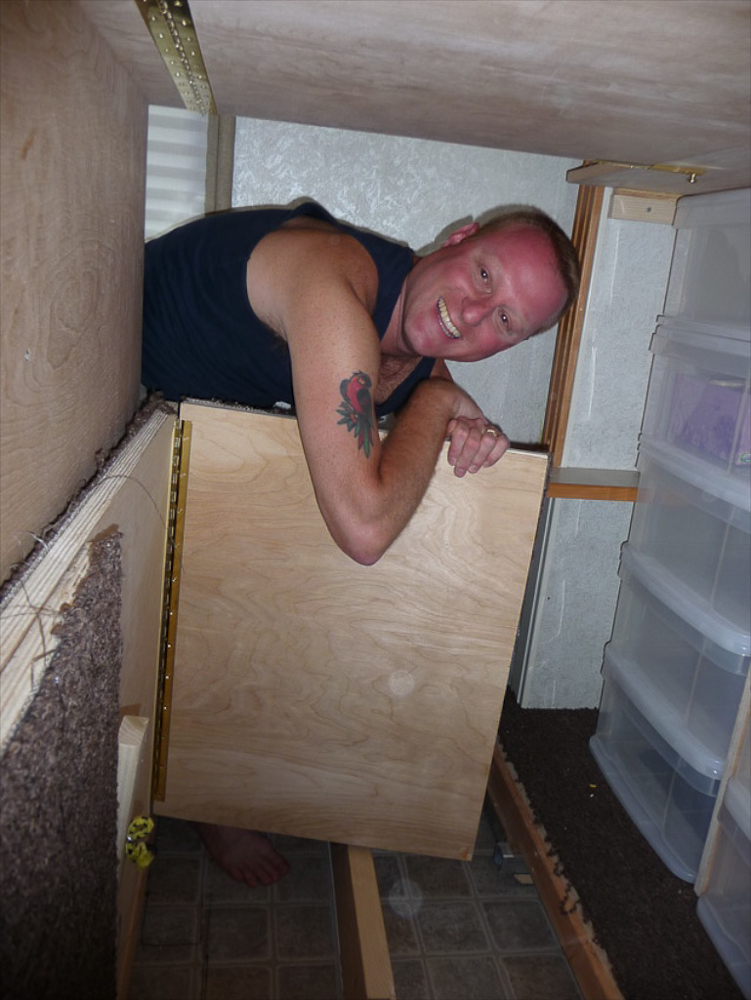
[200, 336]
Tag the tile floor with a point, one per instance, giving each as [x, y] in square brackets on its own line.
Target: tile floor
[456, 931]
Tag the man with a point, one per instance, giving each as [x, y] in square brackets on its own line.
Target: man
[275, 305]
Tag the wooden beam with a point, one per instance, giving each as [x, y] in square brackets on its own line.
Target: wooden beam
[220, 162]
[365, 962]
[588, 961]
[584, 237]
[658, 178]
[593, 484]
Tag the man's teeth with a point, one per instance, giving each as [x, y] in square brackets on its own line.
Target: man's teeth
[448, 326]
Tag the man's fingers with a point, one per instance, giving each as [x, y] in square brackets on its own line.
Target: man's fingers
[474, 445]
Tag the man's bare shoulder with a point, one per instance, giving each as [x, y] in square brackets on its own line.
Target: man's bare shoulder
[302, 256]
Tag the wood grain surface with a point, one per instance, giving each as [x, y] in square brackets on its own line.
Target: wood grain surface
[73, 154]
[319, 698]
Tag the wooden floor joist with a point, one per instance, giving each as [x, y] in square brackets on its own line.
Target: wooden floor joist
[363, 948]
[588, 961]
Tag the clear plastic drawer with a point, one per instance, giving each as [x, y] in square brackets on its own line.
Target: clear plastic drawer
[668, 800]
[699, 403]
[701, 540]
[689, 685]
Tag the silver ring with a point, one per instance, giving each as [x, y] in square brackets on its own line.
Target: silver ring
[493, 431]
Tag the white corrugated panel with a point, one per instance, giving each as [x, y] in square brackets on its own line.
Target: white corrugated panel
[175, 168]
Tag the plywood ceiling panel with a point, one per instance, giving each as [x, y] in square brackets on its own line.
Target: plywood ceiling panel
[639, 81]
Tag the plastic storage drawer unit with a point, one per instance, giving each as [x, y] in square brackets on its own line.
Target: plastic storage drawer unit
[725, 907]
[670, 802]
[701, 540]
[699, 403]
[711, 274]
[691, 681]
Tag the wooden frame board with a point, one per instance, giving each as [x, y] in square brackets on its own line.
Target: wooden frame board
[315, 697]
[588, 961]
[584, 238]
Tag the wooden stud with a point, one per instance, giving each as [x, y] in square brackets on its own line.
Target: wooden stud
[584, 237]
[364, 953]
[220, 161]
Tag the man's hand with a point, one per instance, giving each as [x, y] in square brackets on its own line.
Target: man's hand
[474, 444]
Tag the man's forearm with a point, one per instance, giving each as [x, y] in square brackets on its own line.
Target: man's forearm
[406, 464]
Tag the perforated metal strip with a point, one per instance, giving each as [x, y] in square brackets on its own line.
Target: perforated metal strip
[171, 26]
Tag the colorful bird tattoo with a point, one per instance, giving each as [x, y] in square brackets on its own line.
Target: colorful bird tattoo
[356, 409]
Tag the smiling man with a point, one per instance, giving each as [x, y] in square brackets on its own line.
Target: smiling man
[260, 306]
[290, 305]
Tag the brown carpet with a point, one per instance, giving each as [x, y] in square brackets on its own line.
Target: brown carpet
[644, 917]
[58, 807]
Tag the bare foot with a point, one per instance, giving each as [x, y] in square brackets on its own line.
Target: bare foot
[244, 854]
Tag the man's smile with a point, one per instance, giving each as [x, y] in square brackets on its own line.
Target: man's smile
[446, 323]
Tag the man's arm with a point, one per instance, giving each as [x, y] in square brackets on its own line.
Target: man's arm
[316, 289]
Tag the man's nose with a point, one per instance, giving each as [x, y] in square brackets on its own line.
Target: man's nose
[475, 310]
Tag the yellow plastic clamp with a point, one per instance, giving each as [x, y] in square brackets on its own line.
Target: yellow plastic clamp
[135, 845]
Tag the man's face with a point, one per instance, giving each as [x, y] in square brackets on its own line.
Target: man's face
[476, 296]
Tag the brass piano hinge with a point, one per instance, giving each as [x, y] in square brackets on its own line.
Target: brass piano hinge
[173, 563]
[171, 26]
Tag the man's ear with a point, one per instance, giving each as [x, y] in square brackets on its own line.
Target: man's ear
[461, 234]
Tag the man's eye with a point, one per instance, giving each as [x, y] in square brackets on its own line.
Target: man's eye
[484, 275]
[504, 319]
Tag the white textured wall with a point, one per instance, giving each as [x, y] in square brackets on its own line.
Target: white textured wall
[629, 278]
[576, 603]
[412, 190]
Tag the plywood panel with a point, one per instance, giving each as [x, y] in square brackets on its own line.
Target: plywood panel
[625, 81]
[316, 697]
[73, 155]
